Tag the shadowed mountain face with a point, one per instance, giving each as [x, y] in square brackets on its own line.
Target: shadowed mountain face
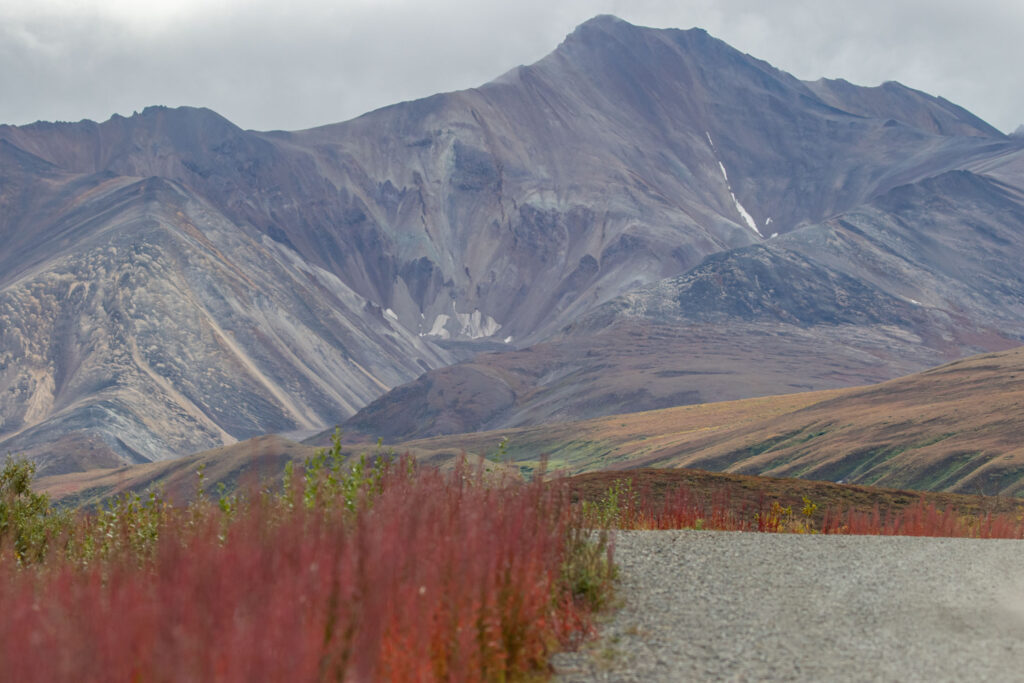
[170, 282]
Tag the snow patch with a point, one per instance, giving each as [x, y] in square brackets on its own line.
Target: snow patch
[915, 302]
[774, 234]
[744, 214]
[390, 315]
[437, 329]
[508, 340]
[768, 221]
[475, 325]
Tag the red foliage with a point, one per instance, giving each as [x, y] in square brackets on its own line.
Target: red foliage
[441, 579]
[685, 508]
[924, 519]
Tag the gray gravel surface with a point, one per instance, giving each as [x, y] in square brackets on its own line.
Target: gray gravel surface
[704, 605]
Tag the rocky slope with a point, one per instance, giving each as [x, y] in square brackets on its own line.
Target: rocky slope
[170, 282]
[140, 323]
[924, 273]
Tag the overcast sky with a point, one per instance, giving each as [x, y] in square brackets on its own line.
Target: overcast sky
[290, 64]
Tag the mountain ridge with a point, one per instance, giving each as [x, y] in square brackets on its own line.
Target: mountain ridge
[857, 299]
[317, 269]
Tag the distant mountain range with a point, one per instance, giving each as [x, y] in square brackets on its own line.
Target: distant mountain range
[642, 218]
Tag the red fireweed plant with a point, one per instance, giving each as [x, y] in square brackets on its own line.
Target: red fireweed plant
[416, 575]
[622, 507]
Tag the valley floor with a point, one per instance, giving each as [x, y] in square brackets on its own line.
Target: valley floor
[706, 605]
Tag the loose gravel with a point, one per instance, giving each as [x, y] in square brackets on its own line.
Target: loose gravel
[726, 606]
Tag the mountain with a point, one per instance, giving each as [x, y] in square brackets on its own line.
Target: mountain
[141, 323]
[918, 269]
[170, 282]
[921, 274]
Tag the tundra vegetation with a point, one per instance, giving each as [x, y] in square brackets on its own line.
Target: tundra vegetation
[376, 569]
[380, 570]
[624, 506]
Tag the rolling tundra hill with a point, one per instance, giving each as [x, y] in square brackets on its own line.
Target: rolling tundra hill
[955, 428]
[642, 218]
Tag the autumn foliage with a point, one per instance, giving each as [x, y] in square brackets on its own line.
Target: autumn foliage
[624, 507]
[415, 576]
[351, 572]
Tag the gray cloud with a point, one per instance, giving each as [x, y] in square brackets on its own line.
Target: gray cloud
[266, 64]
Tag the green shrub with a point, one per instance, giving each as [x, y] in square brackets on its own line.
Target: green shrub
[27, 522]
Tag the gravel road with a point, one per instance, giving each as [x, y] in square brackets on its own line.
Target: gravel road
[705, 605]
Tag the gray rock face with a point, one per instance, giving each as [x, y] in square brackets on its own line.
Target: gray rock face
[170, 282]
[897, 104]
[159, 329]
[914, 257]
[922, 274]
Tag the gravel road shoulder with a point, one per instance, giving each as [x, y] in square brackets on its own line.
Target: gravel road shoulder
[704, 605]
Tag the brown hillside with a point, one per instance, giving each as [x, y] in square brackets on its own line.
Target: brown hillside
[957, 428]
[258, 461]
[259, 458]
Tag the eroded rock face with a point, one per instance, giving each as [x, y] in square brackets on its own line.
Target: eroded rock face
[170, 282]
[163, 329]
[922, 274]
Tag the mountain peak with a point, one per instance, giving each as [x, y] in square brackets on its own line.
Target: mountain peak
[600, 27]
[611, 24]
[1019, 133]
[180, 116]
[618, 44]
[604, 20]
